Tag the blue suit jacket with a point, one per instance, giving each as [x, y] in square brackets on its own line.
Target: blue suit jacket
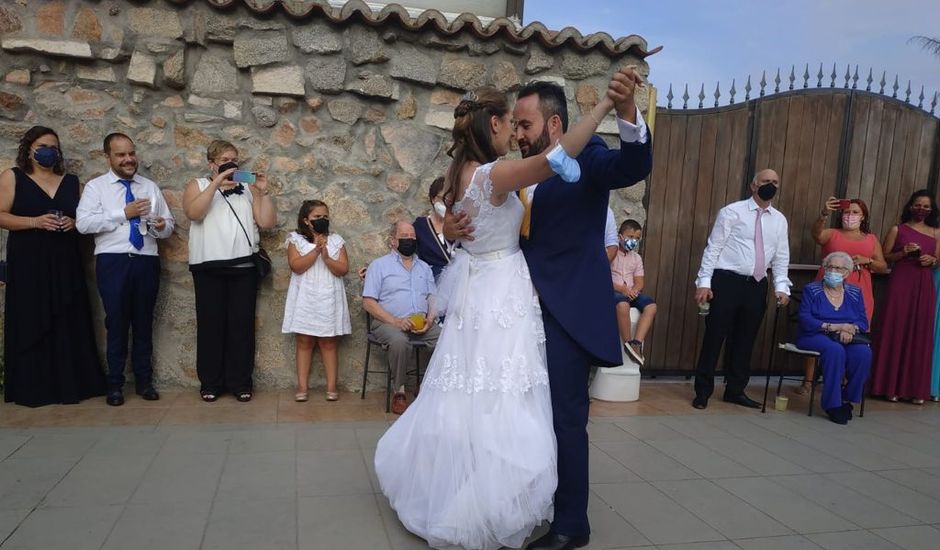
[565, 248]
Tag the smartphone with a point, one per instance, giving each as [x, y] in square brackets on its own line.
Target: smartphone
[844, 204]
[243, 176]
[914, 253]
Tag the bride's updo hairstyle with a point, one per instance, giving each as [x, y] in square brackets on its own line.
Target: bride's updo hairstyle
[471, 134]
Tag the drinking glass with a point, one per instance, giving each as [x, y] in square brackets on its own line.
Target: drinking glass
[59, 215]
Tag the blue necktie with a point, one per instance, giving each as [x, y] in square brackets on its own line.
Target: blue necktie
[136, 239]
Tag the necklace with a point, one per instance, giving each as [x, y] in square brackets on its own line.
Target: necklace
[838, 296]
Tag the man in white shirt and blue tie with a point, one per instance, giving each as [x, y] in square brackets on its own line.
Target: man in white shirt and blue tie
[748, 237]
[126, 213]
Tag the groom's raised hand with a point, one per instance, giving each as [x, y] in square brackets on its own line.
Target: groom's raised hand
[622, 90]
[457, 226]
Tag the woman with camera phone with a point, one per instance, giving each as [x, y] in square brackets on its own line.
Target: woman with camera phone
[225, 218]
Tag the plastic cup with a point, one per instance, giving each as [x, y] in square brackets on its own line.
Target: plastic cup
[781, 403]
[417, 320]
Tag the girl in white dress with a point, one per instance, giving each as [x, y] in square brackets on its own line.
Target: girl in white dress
[472, 462]
[316, 310]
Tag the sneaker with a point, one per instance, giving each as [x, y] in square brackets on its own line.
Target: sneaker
[399, 403]
[634, 349]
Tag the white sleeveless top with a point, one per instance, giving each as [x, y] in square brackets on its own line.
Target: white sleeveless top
[218, 238]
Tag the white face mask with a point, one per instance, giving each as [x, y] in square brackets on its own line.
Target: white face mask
[440, 209]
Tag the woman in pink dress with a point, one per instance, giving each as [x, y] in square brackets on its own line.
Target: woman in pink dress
[853, 236]
[904, 344]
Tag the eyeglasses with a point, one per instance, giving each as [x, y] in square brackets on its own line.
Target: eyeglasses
[838, 268]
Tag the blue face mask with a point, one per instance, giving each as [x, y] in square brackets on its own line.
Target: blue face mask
[47, 157]
[630, 244]
[833, 279]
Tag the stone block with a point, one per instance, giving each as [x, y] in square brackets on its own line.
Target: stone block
[413, 148]
[232, 109]
[407, 108]
[344, 110]
[62, 48]
[203, 102]
[155, 22]
[538, 61]
[260, 48]
[9, 21]
[201, 118]
[285, 134]
[87, 26]
[221, 29]
[12, 106]
[18, 76]
[587, 97]
[264, 116]
[460, 73]
[440, 119]
[503, 76]
[317, 37]
[103, 73]
[412, 65]
[326, 74]
[50, 18]
[443, 96]
[174, 70]
[142, 69]
[214, 75]
[365, 46]
[374, 85]
[284, 80]
[580, 66]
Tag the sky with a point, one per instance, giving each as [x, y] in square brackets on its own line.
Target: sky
[712, 41]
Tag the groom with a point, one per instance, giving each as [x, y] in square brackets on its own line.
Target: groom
[562, 234]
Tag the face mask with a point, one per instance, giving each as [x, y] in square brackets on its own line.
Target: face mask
[407, 247]
[851, 221]
[320, 225]
[227, 166]
[767, 191]
[630, 244]
[920, 214]
[47, 157]
[832, 279]
[440, 209]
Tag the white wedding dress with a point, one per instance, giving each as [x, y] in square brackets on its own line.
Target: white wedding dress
[472, 462]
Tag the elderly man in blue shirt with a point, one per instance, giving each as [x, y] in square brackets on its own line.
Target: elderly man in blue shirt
[397, 292]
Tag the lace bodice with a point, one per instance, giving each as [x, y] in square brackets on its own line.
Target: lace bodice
[495, 227]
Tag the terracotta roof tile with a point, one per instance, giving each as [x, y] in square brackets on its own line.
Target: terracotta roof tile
[434, 19]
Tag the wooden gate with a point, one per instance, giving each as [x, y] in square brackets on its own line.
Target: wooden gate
[823, 141]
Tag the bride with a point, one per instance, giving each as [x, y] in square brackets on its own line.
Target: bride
[471, 463]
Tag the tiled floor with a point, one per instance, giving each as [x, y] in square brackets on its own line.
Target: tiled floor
[271, 474]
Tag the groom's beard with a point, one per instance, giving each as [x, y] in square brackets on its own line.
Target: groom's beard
[531, 149]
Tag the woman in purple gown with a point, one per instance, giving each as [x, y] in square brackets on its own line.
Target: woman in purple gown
[904, 345]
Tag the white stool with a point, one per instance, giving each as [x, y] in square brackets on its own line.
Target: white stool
[619, 383]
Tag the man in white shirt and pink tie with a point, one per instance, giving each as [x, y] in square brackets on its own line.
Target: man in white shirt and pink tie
[748, 237]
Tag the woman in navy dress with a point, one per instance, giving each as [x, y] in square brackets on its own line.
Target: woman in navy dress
[433, 248]
[832, 315]
[49, 344]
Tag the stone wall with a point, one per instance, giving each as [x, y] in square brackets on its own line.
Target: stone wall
[353, 114]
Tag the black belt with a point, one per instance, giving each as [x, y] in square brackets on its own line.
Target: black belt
[735, 275]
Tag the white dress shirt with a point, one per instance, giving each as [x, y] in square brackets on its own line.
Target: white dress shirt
[101, 213]
[731, 244]
[629, 133]
[611, 238]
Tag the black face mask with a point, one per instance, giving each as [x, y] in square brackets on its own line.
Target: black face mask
[227, 166]
[407, 247]
[767, 191]
[320, 225]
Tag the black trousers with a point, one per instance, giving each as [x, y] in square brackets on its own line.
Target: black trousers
[128, 285]
[225, 328]
[737, 310]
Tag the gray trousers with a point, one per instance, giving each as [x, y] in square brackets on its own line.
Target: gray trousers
[400, 354]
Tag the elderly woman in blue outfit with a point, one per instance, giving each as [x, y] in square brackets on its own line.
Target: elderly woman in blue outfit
[833, 322]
